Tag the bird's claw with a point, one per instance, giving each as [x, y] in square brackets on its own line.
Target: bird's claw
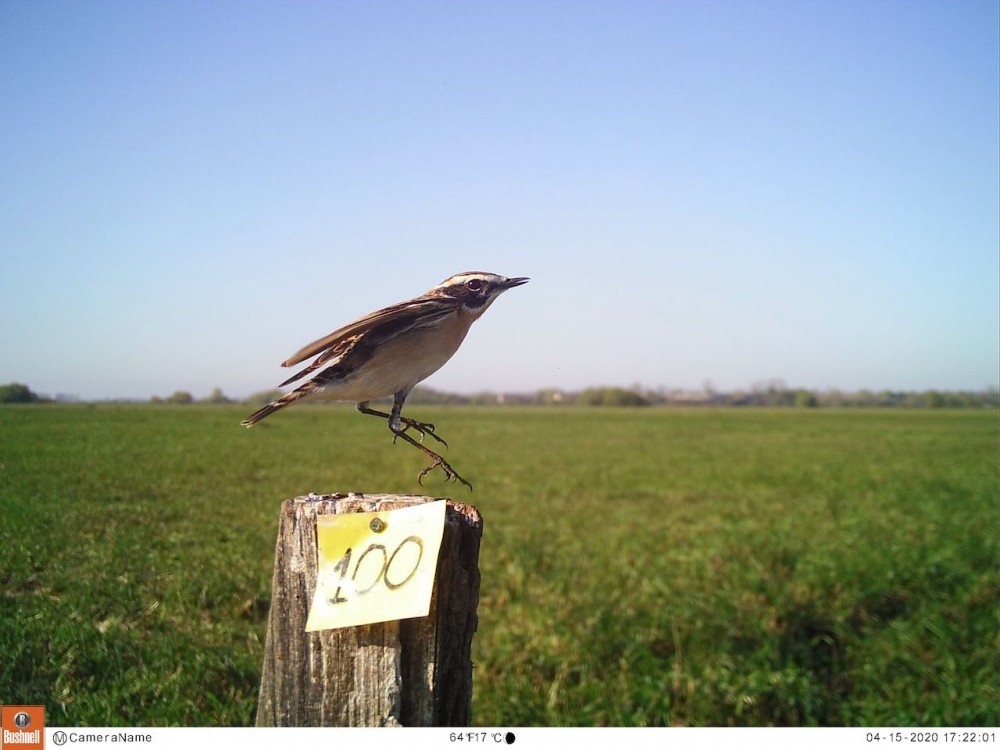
[424, 428]
[450, 474]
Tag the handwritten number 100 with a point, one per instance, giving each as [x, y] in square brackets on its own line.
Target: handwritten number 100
[344, 564]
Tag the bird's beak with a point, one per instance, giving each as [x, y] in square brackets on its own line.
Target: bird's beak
[511, 283]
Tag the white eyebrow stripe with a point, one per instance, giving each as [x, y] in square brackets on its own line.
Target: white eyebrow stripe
[461, 278]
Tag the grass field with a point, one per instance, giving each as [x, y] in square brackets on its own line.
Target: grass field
[643, 567]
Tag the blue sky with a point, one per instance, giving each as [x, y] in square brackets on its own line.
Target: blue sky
[700, 191]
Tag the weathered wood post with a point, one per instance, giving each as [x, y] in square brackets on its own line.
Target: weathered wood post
[414, 672]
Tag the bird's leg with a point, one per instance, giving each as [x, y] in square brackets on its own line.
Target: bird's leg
[396, 422]
[436, 458]
[424, 428]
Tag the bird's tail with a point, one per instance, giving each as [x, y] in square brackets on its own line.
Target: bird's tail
[281, 403]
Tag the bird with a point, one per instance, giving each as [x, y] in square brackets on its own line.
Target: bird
[387, 352]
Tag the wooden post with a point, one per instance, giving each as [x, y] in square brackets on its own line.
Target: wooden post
[415, 672]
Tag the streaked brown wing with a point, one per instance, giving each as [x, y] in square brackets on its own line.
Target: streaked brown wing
[342, 347]
[372, 337]
[340, 341]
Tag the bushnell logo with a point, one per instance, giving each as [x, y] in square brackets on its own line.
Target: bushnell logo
[22, 728]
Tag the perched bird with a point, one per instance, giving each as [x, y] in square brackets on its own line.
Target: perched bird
[389, 351]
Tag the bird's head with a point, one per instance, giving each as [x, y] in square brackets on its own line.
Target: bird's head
[476, 289]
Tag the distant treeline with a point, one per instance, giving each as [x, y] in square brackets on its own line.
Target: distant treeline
[770, 396]
[772, 393]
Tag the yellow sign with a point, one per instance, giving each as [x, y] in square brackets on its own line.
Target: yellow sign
[376, 567]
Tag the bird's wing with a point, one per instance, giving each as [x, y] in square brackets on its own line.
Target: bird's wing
[339, 349]
[380, 326]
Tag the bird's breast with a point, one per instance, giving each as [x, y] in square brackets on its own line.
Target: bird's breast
[403, 361]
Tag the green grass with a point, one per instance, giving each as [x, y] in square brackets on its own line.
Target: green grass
[643, 567]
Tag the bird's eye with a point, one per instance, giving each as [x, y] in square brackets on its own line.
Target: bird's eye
[474, 285]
